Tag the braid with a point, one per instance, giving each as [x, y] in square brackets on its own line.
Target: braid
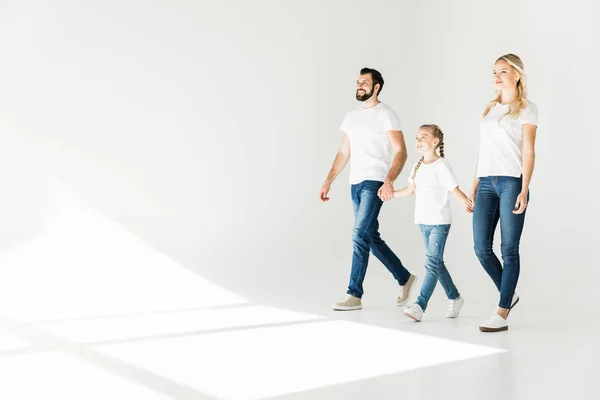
[417, 168]
[438, 134]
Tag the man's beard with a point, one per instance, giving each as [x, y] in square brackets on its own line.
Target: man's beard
[364, 97]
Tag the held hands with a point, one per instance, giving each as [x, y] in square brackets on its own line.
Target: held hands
[386, 192]
[521, 203]
[470, 202]
[469, 205]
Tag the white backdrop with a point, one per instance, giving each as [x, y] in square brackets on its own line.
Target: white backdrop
[206, 129]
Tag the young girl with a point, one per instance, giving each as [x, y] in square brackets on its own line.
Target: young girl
[432, 179]
[501, 188]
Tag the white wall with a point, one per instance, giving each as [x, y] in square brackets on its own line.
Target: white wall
[207, 128]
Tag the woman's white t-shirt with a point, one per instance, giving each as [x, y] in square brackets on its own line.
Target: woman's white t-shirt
[433, 184]
[501, 141]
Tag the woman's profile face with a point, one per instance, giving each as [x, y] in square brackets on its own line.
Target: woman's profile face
[505, 76]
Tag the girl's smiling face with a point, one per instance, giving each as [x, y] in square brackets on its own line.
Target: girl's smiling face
[426, 143]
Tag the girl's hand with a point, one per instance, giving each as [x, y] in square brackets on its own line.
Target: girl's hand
[521, 203]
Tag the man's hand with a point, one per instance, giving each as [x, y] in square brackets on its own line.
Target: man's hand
[386, 192]
[324, 191]
[340, 161]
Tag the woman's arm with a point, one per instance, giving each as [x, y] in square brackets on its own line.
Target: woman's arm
[475, 184]
[529, 132]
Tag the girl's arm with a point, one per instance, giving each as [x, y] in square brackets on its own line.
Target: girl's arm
[460, 196]
[407, 191]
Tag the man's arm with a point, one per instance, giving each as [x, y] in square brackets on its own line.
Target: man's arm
[386, 192]
[340, 161]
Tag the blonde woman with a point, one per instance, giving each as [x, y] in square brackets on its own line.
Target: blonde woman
[500, 191]
[432, 180]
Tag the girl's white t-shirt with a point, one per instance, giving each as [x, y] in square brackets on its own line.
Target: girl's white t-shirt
[501, 141]
[433, 184]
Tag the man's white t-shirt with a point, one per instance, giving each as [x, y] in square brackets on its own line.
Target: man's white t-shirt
[501, 141]
[433, 184]
[370, 146]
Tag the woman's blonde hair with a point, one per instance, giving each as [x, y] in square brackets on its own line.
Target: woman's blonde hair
[437, 133]
[520, 101]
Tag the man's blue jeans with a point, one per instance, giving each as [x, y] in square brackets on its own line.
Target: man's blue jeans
[365, 238]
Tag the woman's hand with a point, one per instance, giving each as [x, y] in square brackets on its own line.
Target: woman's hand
[521, 203]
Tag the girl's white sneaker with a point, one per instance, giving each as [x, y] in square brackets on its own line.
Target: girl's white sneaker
[414, 312]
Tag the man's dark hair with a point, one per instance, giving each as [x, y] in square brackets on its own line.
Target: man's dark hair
[375, 76]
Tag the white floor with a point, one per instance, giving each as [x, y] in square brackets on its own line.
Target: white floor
[258, 352]
[89, 311]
